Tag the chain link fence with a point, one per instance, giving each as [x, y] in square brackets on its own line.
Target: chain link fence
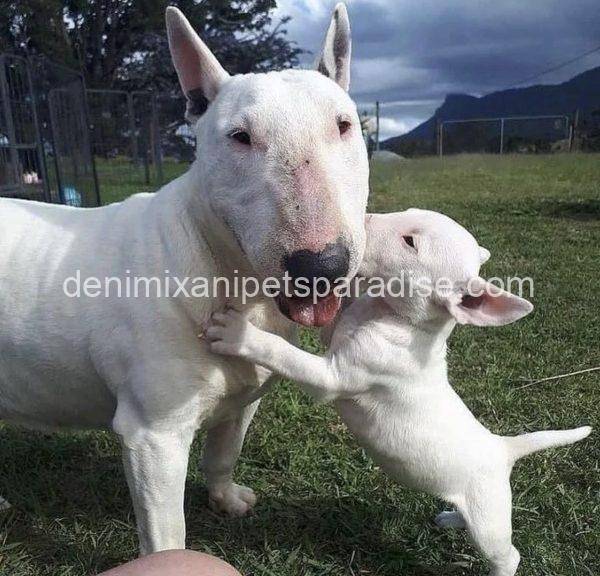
[125, 140]
[45, 149]
[64, 144]
[511, 134]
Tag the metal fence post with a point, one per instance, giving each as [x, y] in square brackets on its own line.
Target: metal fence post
[55, 149]
[38, 133]
[88, 137]
[133, 137]
[144, 135]
[377, 126]
[573, 130]
[10, 127]
[155, 138]
[501, 135]
[571, 134]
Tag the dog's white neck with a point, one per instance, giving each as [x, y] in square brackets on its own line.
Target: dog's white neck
[185, 202]
[422, 344]
[193, 244]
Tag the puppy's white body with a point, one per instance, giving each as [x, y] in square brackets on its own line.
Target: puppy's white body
[385, 370]
[297, 182]
[409, 418]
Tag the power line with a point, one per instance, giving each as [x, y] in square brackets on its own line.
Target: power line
[556, 67]
[528, 79]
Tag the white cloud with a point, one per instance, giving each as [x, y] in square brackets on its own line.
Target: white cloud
[409, 54]
[390, 126]
[302, 10]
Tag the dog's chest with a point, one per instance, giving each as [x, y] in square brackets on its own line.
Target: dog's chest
[241, 382]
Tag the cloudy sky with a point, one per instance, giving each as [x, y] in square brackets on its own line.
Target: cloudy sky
[410, 53]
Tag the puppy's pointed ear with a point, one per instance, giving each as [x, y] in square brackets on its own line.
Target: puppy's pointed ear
[334, 60]
[485, 304]
[199, 72]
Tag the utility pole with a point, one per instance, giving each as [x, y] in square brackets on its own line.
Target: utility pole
[377, 126]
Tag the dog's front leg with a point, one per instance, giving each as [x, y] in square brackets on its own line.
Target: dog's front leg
[155, 461]
[231, 333]
[222, 448]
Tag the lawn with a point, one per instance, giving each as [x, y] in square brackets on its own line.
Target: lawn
[118, 178]
[324, 508]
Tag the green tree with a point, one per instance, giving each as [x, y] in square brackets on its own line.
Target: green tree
[122, 43]
[35, 26]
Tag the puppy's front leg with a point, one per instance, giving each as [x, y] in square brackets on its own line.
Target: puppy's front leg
[222, 449]
[155, 461]
[233, 335]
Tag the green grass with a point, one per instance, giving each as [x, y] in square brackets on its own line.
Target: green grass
[324, 508]
[118, 179]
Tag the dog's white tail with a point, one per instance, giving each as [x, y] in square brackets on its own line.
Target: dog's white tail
[519, 446]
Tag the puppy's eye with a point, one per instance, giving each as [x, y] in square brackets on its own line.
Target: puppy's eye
[344, 126]
[241, 136]
[410, 241]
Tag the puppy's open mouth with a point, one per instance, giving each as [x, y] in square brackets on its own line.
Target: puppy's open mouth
[307, 312]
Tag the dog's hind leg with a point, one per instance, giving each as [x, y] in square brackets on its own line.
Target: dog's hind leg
[488, 512]
[222, 448]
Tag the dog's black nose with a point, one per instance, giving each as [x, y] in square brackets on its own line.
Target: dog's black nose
[330, 263]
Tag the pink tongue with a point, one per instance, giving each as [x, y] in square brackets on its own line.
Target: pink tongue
[307, 313]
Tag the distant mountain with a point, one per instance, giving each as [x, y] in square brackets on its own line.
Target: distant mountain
[580, 93]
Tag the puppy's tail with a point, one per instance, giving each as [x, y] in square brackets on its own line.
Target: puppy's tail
[519, 446]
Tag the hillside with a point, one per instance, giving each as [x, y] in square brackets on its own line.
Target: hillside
[580, 93]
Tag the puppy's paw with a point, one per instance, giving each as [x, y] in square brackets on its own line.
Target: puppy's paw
[230, 333]
[232, 499]
[450, 519]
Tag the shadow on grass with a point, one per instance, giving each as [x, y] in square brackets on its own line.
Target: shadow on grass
[69, 499]
[331, 535]
[582, 210]
[72, 514]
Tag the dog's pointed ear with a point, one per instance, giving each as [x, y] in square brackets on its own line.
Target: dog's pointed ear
[334, 60]
[199, 72]
[484, 304]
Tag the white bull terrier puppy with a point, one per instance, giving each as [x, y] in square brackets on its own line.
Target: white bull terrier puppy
[280, 184]
[385, 370]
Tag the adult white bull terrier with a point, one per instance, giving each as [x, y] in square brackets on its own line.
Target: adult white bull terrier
[280, 184]
[386, 372]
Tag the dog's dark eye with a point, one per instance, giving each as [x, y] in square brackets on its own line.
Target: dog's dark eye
[344, 126]
[241, 137]
[409, 240]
